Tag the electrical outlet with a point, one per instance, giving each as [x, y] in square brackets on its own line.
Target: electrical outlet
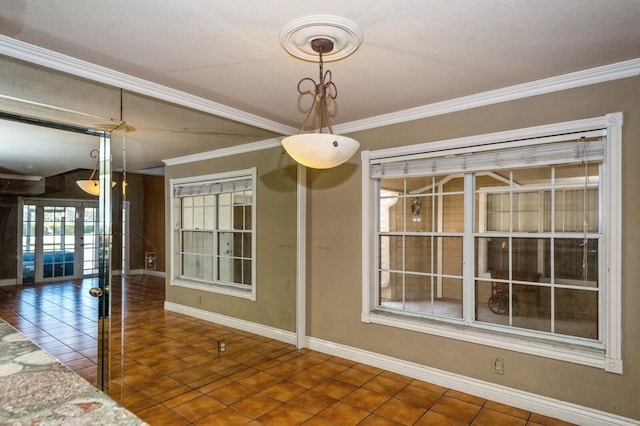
[222, 346]
[198, 299]
[498, 365]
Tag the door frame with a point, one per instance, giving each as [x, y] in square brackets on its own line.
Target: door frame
[41, 203]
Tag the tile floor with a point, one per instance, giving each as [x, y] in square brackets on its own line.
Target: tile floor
[169, 371]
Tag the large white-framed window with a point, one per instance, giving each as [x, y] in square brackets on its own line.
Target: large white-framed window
[213, 237]
[510, 239]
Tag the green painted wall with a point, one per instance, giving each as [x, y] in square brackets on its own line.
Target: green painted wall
[334, 254]
[276, 241]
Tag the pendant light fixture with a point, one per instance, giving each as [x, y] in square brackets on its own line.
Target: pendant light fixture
[320, 35]
[92, 186]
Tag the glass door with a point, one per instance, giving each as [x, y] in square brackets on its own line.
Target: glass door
[102, 291]
[89, 241]
[59, 243]
[59, 240]
[78, 239]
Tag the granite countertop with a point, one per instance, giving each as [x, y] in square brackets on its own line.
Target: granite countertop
[36, 389]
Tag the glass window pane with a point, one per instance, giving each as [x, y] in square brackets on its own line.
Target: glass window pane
[225, 244]
[422, 213]
[577, 260]
[391, 252]
[224, 199]
[453, 207]
[224, 217]
[209, 217]
[531, 307]
[246, 245]
[392, 186]
[246, 272]
[576, 312]
[393, 290]
[187, 217]
[450, 305]
[418, 254]
[451, 249]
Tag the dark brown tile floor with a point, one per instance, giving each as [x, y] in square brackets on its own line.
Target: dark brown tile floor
[169, 371]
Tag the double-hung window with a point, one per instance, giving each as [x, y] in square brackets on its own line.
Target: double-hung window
[508, 239]
[213, 239]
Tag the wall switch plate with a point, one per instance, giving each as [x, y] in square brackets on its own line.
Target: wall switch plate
[222, 346]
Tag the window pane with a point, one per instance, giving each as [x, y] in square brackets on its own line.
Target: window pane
[530, 307]
[187, 212]
[453, 207]
[492, 302]
[418, 254]
[391, 252]
[246, 245]
[391, 287]
[576, 260]
[224, 216]
[395, 186]
[209, 211]
[576, 312]
[205, 253]
[450, 304]
[246, 272]
[451, 248]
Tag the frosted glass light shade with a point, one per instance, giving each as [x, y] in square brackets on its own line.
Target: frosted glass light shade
[91, 186]
[318, 151]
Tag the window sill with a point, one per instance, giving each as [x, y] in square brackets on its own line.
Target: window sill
[227, 290]
[592, 357]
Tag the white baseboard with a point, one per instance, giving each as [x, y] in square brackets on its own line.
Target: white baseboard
[252, 327]
[153, 273]
[525, 400]
[516, 398]
[8, 281]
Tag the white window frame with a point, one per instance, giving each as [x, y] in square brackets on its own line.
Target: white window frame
[609, 355]
[216, 286]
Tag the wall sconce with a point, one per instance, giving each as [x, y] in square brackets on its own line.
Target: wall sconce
[416, 206]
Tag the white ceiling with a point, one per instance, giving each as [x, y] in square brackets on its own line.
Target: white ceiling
[415, 53]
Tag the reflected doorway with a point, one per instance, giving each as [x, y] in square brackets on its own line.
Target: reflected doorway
[59, 240]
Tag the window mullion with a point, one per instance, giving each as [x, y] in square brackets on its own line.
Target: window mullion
[468, 250]
[552, 245]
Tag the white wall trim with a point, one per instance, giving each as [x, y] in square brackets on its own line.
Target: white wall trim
[252, 327]
[50, 59]
[574, 351]
[144, 272]
[70, 65]
[573, 80]
[8, 281]
[224, 152]
[525, 400]
[301, 258]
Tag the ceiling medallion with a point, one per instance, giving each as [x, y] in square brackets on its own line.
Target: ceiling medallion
[344, 34]
[321, 37]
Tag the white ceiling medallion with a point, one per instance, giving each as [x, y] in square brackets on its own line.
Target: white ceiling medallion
[297, 35]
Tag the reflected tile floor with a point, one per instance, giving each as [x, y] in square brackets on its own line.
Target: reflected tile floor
[166, 367]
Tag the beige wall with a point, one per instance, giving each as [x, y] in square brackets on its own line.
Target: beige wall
[276, 241]
[334, 254]
[334, 290]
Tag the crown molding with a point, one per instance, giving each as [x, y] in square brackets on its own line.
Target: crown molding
[224, 152]
[67, 64]
[47, 58]
[630, 68]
